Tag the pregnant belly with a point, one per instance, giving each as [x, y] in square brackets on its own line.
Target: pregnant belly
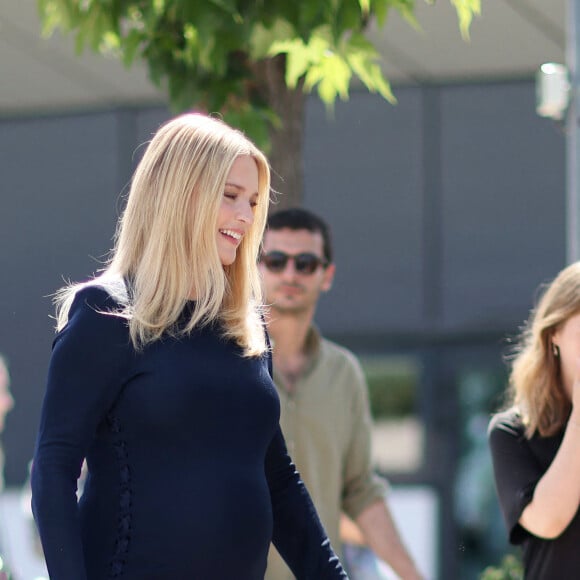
[211, 527]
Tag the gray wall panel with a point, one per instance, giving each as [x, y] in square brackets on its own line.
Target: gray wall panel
[363, 174]
[148, 121]
[57, 213]
[503, 208]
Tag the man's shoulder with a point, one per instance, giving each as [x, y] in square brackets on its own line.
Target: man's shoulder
[337, 359]
[334, 351]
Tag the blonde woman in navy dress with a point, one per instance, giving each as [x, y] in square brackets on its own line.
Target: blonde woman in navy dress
[160, 378]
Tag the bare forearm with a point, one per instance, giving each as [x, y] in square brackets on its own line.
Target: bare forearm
[557, 494]
[349, 532]
[378, 527]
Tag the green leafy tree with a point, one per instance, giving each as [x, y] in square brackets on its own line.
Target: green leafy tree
[252, 61]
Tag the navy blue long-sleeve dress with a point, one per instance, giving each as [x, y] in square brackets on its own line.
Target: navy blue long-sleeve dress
[188, 473]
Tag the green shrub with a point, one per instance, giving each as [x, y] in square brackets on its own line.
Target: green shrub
[393, 385]
[510, 568]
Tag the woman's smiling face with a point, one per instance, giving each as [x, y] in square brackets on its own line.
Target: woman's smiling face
[236, 213]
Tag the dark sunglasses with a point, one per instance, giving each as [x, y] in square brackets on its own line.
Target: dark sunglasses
[304, 263]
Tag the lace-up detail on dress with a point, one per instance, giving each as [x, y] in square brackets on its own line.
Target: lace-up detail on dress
[125, 499]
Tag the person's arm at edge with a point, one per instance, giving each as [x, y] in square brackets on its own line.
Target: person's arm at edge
[295, 518]
[89, 353]
[297, 532]
[349, 532]
[378, 527]
[364, 498]
[557, 495]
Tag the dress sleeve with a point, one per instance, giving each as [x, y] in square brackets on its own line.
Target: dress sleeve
[298, 534]
[84, 379]
[516, 471]
[361, 486]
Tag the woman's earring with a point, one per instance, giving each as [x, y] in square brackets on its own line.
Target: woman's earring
[556, 350]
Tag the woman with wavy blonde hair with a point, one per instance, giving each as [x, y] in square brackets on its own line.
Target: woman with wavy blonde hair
[535, 443]
[160, 378]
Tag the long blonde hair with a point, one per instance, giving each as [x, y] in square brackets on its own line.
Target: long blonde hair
[535, 378]
[165, 243]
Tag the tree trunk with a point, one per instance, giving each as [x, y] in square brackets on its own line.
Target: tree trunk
[286, 154]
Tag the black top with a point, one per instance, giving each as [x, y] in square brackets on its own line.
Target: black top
[519, 464]
[188, 474]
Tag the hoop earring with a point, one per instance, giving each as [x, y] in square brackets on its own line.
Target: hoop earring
[556, 350]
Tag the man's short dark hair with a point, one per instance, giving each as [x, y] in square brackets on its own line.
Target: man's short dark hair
[298, 218]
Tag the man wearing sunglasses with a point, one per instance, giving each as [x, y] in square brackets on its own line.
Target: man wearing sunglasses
[325, 413]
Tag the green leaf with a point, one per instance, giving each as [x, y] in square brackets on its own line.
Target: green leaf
[301, 57]
[49, 16]
[262, 39]
[409, 16]
[466, 9]
[228, 6]
[380, 9]
[111, 42]
[359, 43]
[131, 45]
[298, 62]
[350, 18]
[79, 43]
[337, 75]
[68, 13]
[311, 14]
[363, 58]
[158, 6]
[376, 82]
[365, 6]
[97, 26]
